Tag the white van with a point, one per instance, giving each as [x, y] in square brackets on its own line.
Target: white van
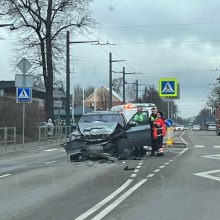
[131, 108]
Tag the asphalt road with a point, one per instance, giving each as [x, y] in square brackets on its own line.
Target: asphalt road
[184, 184]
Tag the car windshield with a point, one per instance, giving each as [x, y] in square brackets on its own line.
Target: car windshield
[110, 109]
[100, 118]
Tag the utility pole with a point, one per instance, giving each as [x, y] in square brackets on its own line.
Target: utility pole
[136, 90]
[68, 78]
[137, 85]
[110, 81]
[110, 78]
[124, 82]
[68, 42]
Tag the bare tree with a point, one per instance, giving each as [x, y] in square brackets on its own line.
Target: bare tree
[117, 85]
[41, 26]
[78, 94]
[130, 91]
[214, 97]
[104, 98]
[89, 91]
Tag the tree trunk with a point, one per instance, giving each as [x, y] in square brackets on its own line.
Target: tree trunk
[49, 60]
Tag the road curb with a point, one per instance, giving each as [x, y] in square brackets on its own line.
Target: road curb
[26, 151]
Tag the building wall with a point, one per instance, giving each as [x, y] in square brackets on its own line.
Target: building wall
[101, 98]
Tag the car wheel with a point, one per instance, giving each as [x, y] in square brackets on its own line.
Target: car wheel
[123, 150]
[74, 157]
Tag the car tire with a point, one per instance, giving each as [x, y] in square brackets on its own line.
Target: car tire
[74, 157]
[123, 150]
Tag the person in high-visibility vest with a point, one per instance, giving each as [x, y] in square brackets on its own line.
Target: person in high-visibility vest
[140, 117]
[152, 119]
[159, 131]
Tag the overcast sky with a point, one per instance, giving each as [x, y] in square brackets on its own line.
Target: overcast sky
[163, 38]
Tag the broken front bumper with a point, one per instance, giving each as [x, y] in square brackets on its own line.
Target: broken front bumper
[84, 148]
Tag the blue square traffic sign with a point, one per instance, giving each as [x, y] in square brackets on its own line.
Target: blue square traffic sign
[168, 87]
[24, 95]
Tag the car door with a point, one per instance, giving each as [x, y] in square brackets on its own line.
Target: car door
[140, 134]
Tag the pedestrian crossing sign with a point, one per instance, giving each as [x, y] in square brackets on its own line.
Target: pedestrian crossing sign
[24, 95]
[168, 87]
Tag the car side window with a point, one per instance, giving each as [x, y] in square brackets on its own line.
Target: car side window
[141, 118]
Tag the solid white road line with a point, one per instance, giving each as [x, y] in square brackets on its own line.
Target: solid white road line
[136, 170]
[207, 174]
[199, 146]
[114, 204]
[51, 162]
[49, 150]
[184, 141]
[5, 175]
[104, 201]
[183, 151]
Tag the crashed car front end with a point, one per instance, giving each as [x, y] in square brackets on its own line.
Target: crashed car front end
[92, 140]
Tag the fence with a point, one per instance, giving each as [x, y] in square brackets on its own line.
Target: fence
[7, 135]
[60, 134]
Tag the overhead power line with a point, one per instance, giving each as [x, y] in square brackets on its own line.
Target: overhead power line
[158, 25]
[168, 42]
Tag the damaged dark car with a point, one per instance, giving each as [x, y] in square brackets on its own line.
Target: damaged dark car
[107, 134]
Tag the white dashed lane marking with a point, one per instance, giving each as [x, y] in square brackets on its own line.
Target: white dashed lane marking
[51, 162]
[138, 167]
[199, 146]
[5, 175]
[136, 170]
[133, 175]
[156, 171]
[161, 167]
[49, 150]
[150, 175]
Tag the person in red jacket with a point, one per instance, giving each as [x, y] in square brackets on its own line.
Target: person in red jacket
[159, 131]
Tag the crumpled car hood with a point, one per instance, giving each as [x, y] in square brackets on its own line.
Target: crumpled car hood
[97, 128]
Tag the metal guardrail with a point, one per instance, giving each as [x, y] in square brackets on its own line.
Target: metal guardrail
[60, 134]
[7, 135]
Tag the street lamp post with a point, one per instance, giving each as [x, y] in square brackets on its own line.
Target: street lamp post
[68, 42]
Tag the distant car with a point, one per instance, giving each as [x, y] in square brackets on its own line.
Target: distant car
[196, 128]
[212, 127]
[187, 128]
[179, 128]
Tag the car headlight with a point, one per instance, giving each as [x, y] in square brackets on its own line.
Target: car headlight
[74, 136]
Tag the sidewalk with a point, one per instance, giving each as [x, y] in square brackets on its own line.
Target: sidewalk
[15, 149]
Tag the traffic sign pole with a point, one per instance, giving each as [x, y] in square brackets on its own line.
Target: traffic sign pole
[23, 119]
[24, 65]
